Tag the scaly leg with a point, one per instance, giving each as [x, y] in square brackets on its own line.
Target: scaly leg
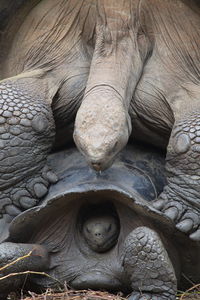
[180, 199]
[26, 137]
[148, 266]
[35, 258]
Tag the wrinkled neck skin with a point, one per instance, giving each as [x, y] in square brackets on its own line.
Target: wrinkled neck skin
[102, 125]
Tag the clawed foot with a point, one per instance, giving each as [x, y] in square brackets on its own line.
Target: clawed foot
[186, 218]
[27, 133]
[37, 187]
[22, 196]
[26, 195]
[149, 296]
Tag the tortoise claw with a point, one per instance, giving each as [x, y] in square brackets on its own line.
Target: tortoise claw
[27, 202]
[189, 223]
[52, 177]
[184, 216]
[40, 190]
[159, 204]
[185, 225]
[38, 185]
[171, 213]
[195, 236]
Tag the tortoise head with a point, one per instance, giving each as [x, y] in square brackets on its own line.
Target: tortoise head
[100, 227]
[101, 130]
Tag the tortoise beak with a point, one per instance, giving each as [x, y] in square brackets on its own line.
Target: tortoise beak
[96, 166]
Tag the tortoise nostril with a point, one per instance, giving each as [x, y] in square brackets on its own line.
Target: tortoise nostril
[98, 234]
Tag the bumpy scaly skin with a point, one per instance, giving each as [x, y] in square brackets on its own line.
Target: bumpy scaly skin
[148, 266]
[26, 136]
[180, 200]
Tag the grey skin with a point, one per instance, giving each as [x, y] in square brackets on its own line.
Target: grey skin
[100, 231]
[108, 66]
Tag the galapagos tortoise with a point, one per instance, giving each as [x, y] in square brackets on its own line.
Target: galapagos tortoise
[100, 231]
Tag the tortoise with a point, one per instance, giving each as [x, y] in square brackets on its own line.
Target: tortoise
[100, 231]
[93, 70]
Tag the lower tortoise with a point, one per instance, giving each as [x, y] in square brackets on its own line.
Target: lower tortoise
[100, 231]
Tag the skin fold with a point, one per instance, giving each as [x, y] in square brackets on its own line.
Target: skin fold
[117, 70]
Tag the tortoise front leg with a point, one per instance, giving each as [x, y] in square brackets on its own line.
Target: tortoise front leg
[148, 267]
[180, 199]
[16, 259]
[26, 136]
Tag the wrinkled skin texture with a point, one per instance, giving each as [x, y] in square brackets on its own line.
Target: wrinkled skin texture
[125, 64]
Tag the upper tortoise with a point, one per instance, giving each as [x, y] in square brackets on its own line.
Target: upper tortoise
[110, 66]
